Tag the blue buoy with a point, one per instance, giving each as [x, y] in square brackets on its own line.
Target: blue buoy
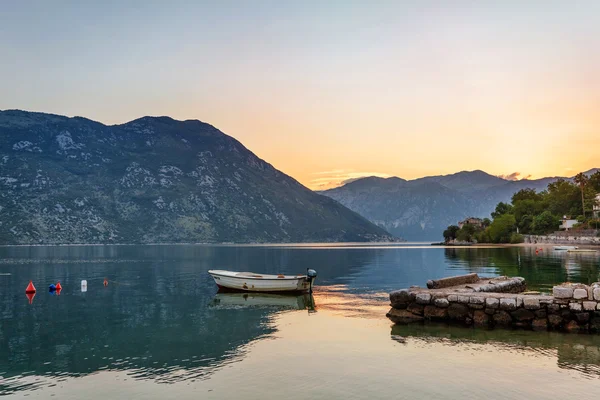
[52, 288]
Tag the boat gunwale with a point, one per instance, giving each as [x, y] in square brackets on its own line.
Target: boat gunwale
[259, 279]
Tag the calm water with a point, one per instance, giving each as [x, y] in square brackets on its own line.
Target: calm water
[160, 330]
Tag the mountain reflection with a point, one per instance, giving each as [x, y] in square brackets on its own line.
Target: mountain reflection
[580, 353]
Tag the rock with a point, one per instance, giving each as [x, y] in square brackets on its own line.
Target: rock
[546, 300]
[508, 304]
[595, 324]
[522, 315]
[453, 298]
[463, 299]
[573, 326]
[402, 316]
[489, 311]
[555, 321]
[566, 315]
[589, 305]
[443, 303]
[596, 293]
[415, 308]
[582, 317]
[531, 304]
[476, 306]
[481, 319]
[575, 306]
[580, 293]
[452, 281]
[502, 318]
[539, 324]
[540, 313]
[553, 308]
[491, 302]
[562, 292]
[519, 301]
[423, 298]
[433, 312]
[477, 300]
[458, 312]
[401, 298]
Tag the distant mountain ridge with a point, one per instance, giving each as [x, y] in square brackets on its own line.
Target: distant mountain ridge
[153, 180]
[422, 208]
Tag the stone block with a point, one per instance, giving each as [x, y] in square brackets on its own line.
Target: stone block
[573, 326]
[519, 301]
[458, 312]
[580, 293]
[402, 316]
[575, 306]
[502, 318]
[531, 303]
[589, 305]
[540, 313]
[553, 308]
[546, 300]
[443, 303]
[555, 321]
[582, 317]
[452, 281]
[596, 293]
[595, 325]
[480, 318]
[433, 312]
[562, 292]
[401, 298]
[452, 298]
[508, 304]
[423, 298]
[476, 306]
[489, 311]
[463, 299]
[491, 302]
[415, 308]
[477, 300]
[522, 315]
[539, 324]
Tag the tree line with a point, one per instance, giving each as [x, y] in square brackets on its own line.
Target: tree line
[530, 212]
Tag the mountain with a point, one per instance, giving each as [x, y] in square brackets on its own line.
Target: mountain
[155, 179]
[421, 209]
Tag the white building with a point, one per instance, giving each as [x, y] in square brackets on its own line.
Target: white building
[567, 224]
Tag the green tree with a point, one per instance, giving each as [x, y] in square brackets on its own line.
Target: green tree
[501, 229]
[563, 198]
[465, 234]
[526, 194]
[594, 181]
[501, 209]
[450, 233]
[545, 223]
[581, 180]
[486, 222]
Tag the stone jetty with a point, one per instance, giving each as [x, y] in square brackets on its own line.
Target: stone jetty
[499, 302]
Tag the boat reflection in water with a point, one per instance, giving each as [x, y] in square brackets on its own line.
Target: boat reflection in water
[579, 353]
[264, 300]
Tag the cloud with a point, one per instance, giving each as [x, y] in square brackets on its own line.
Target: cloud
[339, 177]
[515, 176]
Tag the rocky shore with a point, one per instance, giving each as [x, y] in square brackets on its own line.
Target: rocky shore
[499, 302]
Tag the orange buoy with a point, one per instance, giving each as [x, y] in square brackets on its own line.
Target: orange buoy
[58, 287]
[30, 296]
[30, 288]
[105, 282]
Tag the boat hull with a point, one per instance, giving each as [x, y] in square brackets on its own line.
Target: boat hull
[226, 281]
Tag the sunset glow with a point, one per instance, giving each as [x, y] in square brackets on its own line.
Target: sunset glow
[329, 91]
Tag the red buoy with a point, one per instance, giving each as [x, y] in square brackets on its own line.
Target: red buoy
[105, 282]
[58, 291]
[30, 288]
[58, 287]
[30, 296]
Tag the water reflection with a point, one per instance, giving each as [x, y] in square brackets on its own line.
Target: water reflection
[264, 300]
[573, 352]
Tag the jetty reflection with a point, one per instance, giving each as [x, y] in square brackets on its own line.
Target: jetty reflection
[579, 353]
[268, 300]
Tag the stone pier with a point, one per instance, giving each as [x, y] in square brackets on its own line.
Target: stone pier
[499, 302]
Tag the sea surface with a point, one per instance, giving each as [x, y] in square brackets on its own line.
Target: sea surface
[160, 330]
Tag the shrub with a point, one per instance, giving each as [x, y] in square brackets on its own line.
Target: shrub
[516, 238]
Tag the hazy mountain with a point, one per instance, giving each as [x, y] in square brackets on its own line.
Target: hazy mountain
[421, 209]
[73, 180]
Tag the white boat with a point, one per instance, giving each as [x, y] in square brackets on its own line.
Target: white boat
[565, 247]
[252, 282]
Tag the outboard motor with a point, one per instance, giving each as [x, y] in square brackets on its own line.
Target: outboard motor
[311, 275]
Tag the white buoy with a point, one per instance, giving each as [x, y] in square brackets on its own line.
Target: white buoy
[84, 285]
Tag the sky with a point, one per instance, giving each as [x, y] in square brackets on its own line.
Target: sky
[328, 91]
